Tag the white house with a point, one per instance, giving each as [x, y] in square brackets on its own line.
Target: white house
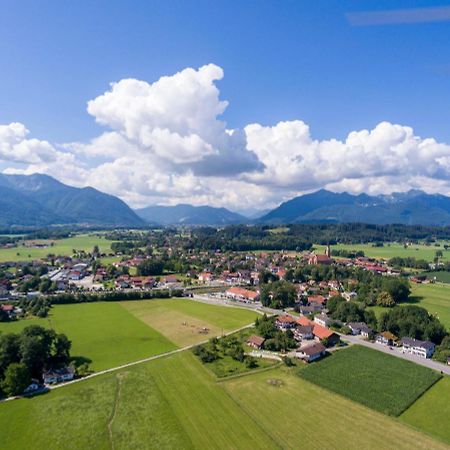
[424, 349]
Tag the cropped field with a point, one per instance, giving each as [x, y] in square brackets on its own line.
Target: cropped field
[389, 250]
[435, 298]
[168, 403]
[379, 381]
[299, 414]
[62, 247]
[103, 332]
[431, 412]
[182, 320]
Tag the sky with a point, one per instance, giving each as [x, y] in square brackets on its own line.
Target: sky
[242, 104]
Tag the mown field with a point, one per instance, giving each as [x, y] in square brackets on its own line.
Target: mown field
[431, 412]
[381, 382]
[182, 321]
[174, 402]
[389, 250]
[63, 247]
[441, 276]
[435, 298]
[104, 332]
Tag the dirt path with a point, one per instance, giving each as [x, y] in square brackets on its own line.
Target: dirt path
[120, 377]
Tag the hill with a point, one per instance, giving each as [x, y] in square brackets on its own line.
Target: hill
[410, 208]
[40, 200]
[190, 215]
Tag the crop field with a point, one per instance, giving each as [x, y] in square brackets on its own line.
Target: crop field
[171, 402]
[431, 412]
[435, 298]
[389, 250]
[299, 414]
[379, 381]
[104, 332]
[184, 321]
[62, 247]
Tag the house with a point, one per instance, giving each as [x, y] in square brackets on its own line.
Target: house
[59, 375]
[304, 333]
[424, 349]
[307, 310]
[241, 294]
[170, 279]
[3, 291]
[360, 328]
[285, 322]
[10, 310]
[255, 341]
[311, 352]
[205, 277]
[386, 338]
[322, 319]
[32, 387]
[349, 295]
[318, 300]
[321, 333]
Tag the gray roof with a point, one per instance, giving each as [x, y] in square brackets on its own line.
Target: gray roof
[417, 343]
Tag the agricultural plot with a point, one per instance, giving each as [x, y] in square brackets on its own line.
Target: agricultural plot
[103, 332]
[62, 247]
[298, 414]
[377, 380]
[187, 322]
[389, 250]
[431, 412]
[168, 403]
[440, 276]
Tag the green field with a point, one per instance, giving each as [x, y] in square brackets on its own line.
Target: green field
[103, 332]
[62, 247]
[182, 321]
[435, 298]
[431, 413]
[389, 250]
[441, 276]
[174, 402]
[379, 381]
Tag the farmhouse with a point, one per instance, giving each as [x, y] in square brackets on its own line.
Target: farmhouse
[285, 322]
[386, 338]
[255, 341]
[322, 319]
[311, 352]
[241, 294]
[317, 300]
[205, 277]
[303, 333]
[424, 349]
[58, 375]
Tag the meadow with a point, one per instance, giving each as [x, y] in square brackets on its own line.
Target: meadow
[441, 276]
[103, 332]
[435, 298]
[389, 250]
[63, 247]
[381, 382]
[182, 320]
[431, 412]
[174, 402]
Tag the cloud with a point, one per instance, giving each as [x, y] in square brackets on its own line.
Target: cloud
[165, 143]
[399, 16]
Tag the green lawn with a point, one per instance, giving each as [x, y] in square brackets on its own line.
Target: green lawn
[431, 412]
[435, 298]
[104, 332]
[63, 247]
[168, 403]
[182, 320]
[389, 250]
[440, 275]
[379, 381]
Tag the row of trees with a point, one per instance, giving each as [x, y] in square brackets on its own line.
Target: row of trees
[25, 356]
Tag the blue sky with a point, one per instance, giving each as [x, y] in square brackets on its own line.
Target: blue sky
[282, 60]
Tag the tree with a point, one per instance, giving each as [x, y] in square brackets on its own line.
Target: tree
[279, 294]
[334, 302]
[9, 351]
[61, 348]
[385, 299]
[17, 378]
[150, 267]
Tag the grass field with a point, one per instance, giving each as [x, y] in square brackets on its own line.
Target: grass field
[389, 250]
[63, 247]
[431, 412]
[435, 298]
[174, 402]
[180, 320]
[105, 333]
[441, 276]
[169, 403]
[379, 381]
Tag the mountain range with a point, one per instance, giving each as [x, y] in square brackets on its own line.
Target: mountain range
[40, 200]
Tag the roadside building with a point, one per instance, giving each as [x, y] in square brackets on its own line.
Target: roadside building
[424, 349]
[311, 352]
[241, 294]
[386, 338]
[360, 328]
